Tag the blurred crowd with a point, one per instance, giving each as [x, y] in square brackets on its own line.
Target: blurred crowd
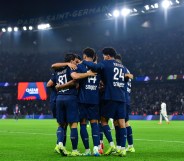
[151, 54]
[145, 100]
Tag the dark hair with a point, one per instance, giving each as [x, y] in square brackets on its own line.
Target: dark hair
[78, 57]
[89, 52]
[69, 57]
[118, 58]
[109, 51]
[95, 58]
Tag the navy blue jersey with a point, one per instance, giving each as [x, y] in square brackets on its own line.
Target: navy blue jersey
[127, 88]
[112, 74]
[62, 77]
[53, 93]
[88, 87]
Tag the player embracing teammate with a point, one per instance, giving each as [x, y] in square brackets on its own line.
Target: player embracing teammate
[112, 74]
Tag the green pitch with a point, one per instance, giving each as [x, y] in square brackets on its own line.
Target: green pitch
[34, 140]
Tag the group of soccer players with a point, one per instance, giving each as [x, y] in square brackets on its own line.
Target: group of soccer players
[84, 90]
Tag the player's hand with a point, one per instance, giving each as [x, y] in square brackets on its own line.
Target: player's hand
[90, 73]
[129, 75]
[72, 66]
[57, 87]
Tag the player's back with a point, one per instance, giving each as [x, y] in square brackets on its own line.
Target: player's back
[113, 77]
[163, 106]
[88, 87]
[62, 77]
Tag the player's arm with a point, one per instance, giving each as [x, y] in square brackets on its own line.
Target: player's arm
[71, 83]
[50, 83]
[93, 66]
[60, 65]
[76, 75]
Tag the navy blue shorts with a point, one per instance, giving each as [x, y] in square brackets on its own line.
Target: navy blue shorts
[127, 112]
[53, 108]
[67, 110]
[88, 111]
[114, 109]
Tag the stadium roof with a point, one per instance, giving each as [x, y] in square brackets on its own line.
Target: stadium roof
[25, 9]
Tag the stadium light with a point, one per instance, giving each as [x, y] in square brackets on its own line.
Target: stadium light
[9, 29]
[15, 29]
[135, 10]
[43, 26]
[177, 1]
[116, 13]
[24, 28]
[147, 7]
[166, 4]
[125, 12]
[3, 30]
[30, 28]
[109, 14]
[156, 5]
[152, 6]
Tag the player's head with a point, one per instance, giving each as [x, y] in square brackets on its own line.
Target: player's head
[109, 53]
[70, 58]
[95, 59]
[118, 58]
[89, 53]
[78, 58]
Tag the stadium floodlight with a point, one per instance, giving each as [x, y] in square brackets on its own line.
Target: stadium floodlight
[9, 29]
[24, 28]
[30, 28]
[116, 13]
[156, 5]
[147, 7]
[135, 10]
[15, 29]
[177, 1]
[43, 26]
[125, 12]
[3, 30]
[166, 4]
[152, 6]
[109, 14]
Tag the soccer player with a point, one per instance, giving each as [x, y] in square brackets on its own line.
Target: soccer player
[66, 105]
[112, 74]
[128, 78]
[53, 95]
[88, 98]
[16, 112]
[163, 112]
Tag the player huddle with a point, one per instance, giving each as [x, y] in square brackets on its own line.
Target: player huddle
[84, 90]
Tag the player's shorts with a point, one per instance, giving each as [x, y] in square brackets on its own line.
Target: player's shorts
[88, 111]
[113, 109]
[127, 112]
[164, 113]
[53, 108]
[67, 110]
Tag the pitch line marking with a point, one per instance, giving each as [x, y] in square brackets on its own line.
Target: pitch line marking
[21, 132]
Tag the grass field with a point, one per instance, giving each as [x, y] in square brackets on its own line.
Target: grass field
[34, 140]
